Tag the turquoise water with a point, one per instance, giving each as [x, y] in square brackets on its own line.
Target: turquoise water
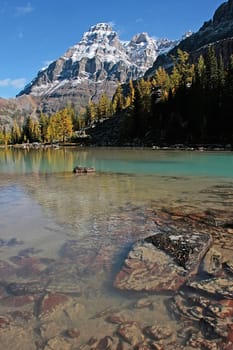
[44, 205]
[138, 161]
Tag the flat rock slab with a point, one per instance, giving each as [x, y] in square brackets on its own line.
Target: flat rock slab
[163, 262]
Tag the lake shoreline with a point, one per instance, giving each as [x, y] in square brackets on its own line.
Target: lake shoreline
[173, 147]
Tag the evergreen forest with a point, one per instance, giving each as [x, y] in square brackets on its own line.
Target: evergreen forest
[188, 104]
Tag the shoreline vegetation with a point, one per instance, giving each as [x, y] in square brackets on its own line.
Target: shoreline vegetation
[174, 147]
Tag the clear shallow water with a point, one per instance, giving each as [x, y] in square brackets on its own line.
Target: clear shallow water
[44, 205]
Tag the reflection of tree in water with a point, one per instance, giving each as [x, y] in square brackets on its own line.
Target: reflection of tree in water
[39, 160]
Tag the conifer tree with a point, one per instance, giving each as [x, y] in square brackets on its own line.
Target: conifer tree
[44, 122]
[131, 92]
[118, 100]
[183, 71]
[103, 107]
[16, 133]
[162, 81]
[65, 124]
[211, 70]
[221, 74]
[200, 72]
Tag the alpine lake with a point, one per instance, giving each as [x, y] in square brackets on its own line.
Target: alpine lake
[65, 238]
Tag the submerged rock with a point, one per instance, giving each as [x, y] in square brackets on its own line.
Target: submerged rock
[52, 302]
[131, 333]
[211, 318]
[157, 332]
[163, 262]
[212, 263]
[24, 288]
[219, 286]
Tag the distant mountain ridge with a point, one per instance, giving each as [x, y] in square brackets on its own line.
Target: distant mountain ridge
[95, 65]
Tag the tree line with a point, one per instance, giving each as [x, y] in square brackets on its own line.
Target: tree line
[63, 125]
[191, 104]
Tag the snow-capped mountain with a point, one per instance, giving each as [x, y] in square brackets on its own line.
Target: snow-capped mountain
[95, 65]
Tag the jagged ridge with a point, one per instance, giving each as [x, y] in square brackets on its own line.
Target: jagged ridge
[95, 65]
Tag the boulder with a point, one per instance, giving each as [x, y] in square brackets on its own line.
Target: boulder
[163, 262]
[83, 170]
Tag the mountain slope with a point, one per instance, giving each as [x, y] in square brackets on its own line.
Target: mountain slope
[218, 31]
[93, 66]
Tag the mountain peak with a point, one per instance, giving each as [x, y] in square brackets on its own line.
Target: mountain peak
[96, 64]
[141, 38]
[105, 27]
[101, 34]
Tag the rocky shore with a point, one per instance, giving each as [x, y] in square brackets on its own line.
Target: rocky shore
[182, 271]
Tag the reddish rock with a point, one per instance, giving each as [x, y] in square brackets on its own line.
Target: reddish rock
[226, 309]
[228, 346]
[28, 266]
[162, 262]
[156, 346]
[5, 321]
[198, 342]
[158, 332]
[51, 302]
[104, 344]
[230, 334]
[17, 301]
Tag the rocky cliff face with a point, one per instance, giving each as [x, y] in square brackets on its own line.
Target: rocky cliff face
[220, 27]
[17, 109]
[218, 32]
[93, 66]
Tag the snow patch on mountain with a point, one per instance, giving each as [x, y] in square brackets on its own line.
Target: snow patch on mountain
[99, 56]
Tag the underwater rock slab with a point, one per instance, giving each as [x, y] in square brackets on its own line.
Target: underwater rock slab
[163, 262]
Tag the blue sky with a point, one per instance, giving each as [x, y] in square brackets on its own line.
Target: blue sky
[33, 33]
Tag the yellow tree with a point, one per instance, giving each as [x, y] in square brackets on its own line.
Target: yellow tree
[16, 133]
[64, 123]
[118, 100]
[51, 132]
[6, 136]
[35, 133]
[103, 106]
[183, 71]
[131, 95]
[162, 81]
[91, 112]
